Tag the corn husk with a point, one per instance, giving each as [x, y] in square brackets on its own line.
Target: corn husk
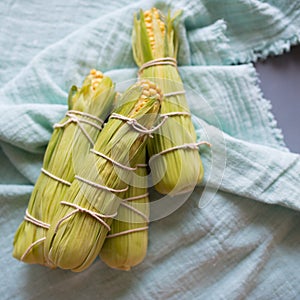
[178, 171]
[95, 97]
[124, 248]
[75, 237]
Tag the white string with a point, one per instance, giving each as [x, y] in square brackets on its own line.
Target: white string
[175, 113]
[31, 246]
[117, 163]
[78, 208]
[73, 119]
[137, 126]
[140, 128]
[76, 112]
[99, 186]
[136, 197]
[126, 232]
[28, 217]
[113, 161]
[174, 93]
[135, 210]
[83, 121]
[159, 61]
[55, 177]
[123, 203]
[192, 146]
[141, 165]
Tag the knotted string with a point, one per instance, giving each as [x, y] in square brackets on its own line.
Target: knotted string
[74, 119]
[99, 217]
[136, 125]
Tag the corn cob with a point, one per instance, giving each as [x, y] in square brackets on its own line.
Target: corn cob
[78, 231]
[70, 142]
[175, 162]
[126, 244]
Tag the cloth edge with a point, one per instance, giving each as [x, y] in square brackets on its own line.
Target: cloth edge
[266, 107]
[263, 51]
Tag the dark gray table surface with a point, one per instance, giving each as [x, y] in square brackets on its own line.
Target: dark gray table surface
[280, 83]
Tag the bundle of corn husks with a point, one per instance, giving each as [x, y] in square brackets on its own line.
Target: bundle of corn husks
[80, 226]
[126, 244]
[69, 144]
[175, 162]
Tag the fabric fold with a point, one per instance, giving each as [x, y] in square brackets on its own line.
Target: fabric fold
[29, 126]
[255, 29]
[210, 45]
[249, 170]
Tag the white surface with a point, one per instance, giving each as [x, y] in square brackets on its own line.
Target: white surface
[280, 82]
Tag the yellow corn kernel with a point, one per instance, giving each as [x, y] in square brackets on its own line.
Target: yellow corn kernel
[93, 72]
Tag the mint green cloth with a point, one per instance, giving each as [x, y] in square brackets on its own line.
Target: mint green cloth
[242, 239]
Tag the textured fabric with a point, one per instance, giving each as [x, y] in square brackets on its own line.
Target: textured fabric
[238, 234]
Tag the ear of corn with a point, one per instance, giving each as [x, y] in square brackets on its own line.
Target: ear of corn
[126, 244]
[177, 171]
[76, 234]
[95, 97]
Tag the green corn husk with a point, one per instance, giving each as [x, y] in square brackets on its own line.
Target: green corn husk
[74, 242]
[95, 97]
[126, 250]
[178, 171]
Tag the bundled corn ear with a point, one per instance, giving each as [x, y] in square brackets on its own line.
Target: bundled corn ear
[78, 231]
[126, 244]
[175, 161]
[88, 106]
